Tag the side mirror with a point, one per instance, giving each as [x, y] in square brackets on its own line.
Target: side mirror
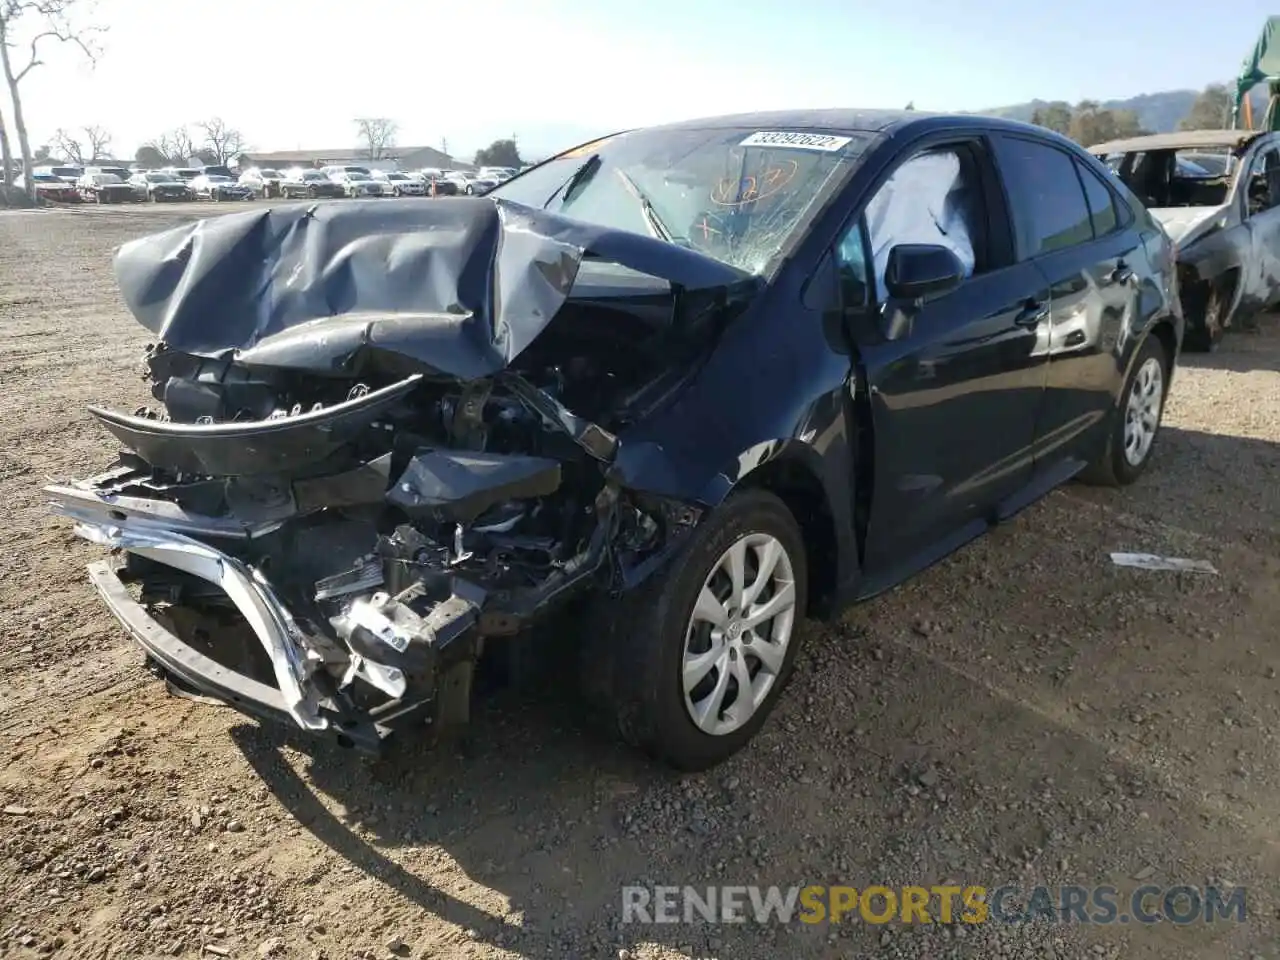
[916, 271]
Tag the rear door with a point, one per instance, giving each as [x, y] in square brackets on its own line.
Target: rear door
[1084, 240]
[953, 403]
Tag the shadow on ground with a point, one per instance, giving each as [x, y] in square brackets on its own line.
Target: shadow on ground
[882, 755]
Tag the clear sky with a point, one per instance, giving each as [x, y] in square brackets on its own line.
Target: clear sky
[293, 74]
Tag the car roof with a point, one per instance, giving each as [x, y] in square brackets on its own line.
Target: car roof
[849, 119]
[1182, 139]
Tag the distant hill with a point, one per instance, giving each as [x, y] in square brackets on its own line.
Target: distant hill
[1157, 112]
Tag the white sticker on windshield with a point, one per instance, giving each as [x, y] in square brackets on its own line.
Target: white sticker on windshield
[797, 141]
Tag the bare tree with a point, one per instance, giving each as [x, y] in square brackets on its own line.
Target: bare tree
[68, 145]
[376, 136]
[26, 26]
[178, 145]
[98, 142]
[6, 158]
[172, 147]
[221, 142]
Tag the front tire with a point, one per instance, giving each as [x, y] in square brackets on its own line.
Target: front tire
[1205, 333]
[1135, 423]
[689, 665]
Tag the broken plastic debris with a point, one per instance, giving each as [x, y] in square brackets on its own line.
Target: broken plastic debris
[1150, 561]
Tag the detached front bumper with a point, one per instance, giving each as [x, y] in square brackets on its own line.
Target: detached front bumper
[389, 669]
[190, 671]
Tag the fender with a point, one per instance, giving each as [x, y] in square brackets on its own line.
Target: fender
[645, 468]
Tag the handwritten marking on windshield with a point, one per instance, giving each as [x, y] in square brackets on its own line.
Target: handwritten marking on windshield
[734, 191]
[704, 225]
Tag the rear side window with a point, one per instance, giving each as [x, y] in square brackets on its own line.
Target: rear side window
[1102, 202]
[1049, 205]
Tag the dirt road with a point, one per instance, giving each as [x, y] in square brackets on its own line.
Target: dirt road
[1023, 713]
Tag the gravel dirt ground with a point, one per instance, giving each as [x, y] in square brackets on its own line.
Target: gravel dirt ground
[1025, 712]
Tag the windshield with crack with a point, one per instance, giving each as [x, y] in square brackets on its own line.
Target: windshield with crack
[734, 193]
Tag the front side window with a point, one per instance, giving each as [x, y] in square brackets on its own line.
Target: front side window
[736, 194]
[930, 199]
[1264, 181]
[1049, 206]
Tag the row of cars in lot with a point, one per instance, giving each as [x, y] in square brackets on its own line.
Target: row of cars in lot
[71, 184]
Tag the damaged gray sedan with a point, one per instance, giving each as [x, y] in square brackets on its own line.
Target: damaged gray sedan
[686, 384]
[1217, 194]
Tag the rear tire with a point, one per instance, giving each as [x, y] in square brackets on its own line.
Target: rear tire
[639, 647]
[1135, 422]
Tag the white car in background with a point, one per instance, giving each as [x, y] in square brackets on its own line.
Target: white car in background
[263, 181]
[501, 174]
[66, 173]
[471, 183]
[397, 184]
[357, 184]
[334, 169]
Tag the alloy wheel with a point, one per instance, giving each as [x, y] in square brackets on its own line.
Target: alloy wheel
[736, 641]
[1142, 412]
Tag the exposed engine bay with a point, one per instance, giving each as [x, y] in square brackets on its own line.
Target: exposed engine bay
[321, 526]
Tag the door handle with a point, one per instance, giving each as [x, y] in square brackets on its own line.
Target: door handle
[1033, 311]
[1123, 273]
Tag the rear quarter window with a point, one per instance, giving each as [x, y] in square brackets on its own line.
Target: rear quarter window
[1103, 209]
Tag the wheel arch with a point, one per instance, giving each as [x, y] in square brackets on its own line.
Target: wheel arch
[794, 472]
[1164, 331]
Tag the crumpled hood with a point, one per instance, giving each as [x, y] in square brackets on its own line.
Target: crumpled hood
[1184, 223]
[458, 286]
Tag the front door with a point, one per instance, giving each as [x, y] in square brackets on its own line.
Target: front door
[954, 401]
[1261, 277]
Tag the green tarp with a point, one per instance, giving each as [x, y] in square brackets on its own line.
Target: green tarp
[1261, 66]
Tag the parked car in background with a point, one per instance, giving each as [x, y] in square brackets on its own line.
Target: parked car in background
[442, 187]
[953, 315]
[301, 182]
[356, 184]
[470, 182]
[1217, 194]
[183, 173]
[213, 186]
[124, 173]
[334, 169]
[104, 188]
[159, 187]
[437, 185]
[50, 188]
[263, 181]
[501, 174]
[397, 184]
[217, 170]
[65, 173]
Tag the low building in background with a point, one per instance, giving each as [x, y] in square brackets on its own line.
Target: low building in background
[402, 158]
